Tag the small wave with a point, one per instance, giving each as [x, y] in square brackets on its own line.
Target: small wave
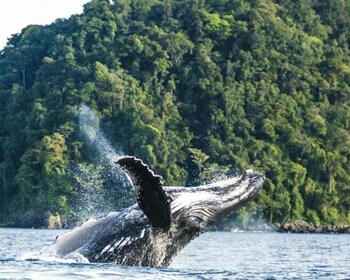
[235, 230]
[7, 260]
[7, 242]
[198, 274]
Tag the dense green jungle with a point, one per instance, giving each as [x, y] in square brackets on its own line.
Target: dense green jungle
[199, 89]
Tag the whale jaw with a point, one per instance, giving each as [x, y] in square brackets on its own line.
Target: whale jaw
[203, 206]
[195, 210]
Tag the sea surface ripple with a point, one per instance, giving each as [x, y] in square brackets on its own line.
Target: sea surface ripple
[214, 255]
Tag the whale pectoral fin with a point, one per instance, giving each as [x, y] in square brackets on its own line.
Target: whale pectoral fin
[151, 196]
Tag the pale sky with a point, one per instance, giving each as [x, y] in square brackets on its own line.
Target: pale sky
[17, 14]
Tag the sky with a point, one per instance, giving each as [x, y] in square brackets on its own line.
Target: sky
[17, 14]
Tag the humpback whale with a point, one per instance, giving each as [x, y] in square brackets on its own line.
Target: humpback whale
[162, 222]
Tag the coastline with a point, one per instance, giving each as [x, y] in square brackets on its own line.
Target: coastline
[297, 226]
[300, 226]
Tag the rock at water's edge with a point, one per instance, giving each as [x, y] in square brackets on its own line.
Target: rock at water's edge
[299, 226]
[35, 219]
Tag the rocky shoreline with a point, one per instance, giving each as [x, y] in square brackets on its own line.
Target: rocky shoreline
[297, 226]
[305, 227]
[31, 219]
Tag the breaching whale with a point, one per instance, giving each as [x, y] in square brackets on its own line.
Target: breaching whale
[161, 223]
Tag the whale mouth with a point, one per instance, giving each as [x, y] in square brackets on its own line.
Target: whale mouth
[256, 179]
[205, 205]
[254, 174]
[245, 188]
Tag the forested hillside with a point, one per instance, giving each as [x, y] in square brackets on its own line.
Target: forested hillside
[196, 88]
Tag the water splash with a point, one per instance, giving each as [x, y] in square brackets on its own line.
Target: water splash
[101, 186]
[50, 256]
[89, 125]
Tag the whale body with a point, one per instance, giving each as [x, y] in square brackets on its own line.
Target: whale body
[162, 222]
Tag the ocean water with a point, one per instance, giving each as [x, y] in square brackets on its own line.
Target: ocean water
[214, 255]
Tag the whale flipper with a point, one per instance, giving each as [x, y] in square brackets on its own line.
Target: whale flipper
[150, 194]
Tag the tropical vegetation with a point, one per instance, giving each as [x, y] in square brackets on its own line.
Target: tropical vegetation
[197, 88]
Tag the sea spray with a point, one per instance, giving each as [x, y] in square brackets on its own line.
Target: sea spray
[94, 137]
[101, 186]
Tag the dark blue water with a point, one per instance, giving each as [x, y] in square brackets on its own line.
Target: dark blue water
[214, 255]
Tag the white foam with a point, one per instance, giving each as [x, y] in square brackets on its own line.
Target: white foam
[52, 257]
